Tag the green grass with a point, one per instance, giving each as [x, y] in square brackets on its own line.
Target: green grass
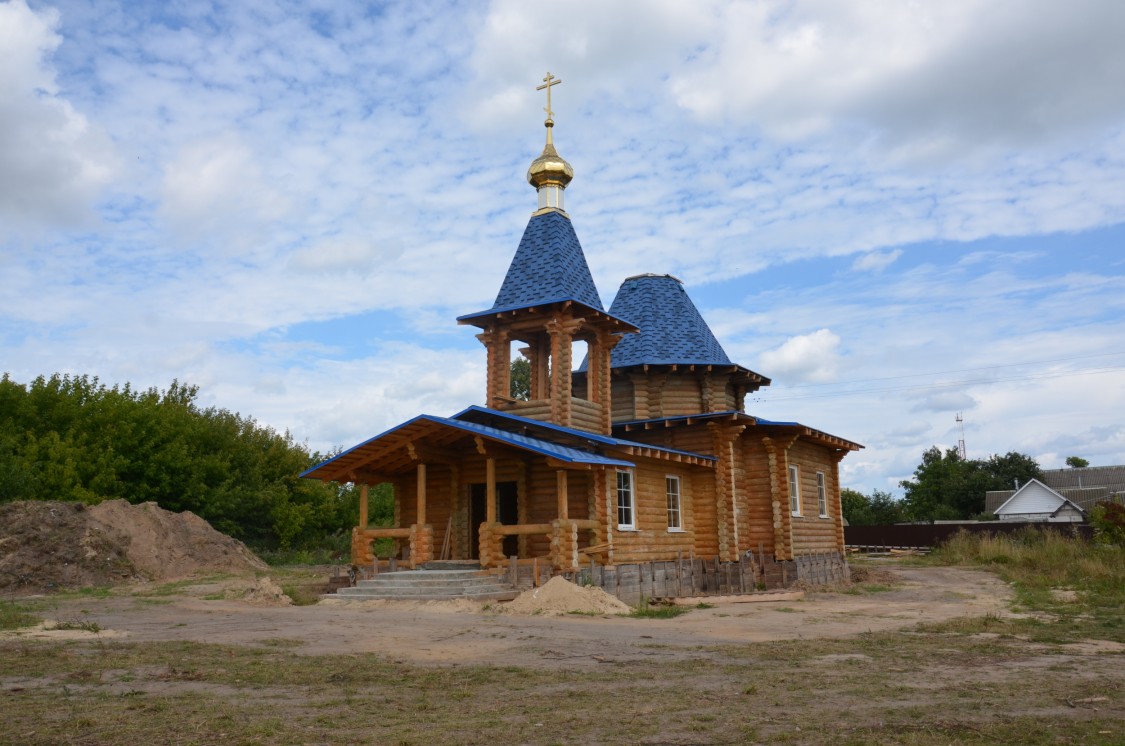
[15, 616]
[1037, 563]
[910, 689]
[645, 610]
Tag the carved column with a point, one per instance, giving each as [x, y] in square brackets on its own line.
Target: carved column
[499, 369]
[726, 490]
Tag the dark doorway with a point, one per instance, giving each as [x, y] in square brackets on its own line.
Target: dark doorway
[507, 512]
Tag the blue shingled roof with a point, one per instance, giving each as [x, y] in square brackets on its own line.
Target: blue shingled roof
[672, 331]
[548, 265]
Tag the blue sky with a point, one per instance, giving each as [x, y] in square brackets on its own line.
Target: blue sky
[897, 211]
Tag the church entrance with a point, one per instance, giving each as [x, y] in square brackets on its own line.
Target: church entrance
[507, 513]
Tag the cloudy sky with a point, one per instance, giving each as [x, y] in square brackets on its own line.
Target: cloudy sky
[897, 210]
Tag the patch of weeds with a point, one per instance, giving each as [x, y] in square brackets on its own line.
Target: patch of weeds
[82, 626]
[302, 595]
[584, 613]
[788, 610]
[14, 616]
[703, 605]
[877, 588]
[281, 642]
[646, 610]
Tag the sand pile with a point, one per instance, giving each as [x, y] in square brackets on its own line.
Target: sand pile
[265, 592]
[560, 596]
[49, 545]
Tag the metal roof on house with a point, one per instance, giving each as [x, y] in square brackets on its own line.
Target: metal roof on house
[582, 435]
[672, 330]
[398, 438]
[548, 266]
[734, 416]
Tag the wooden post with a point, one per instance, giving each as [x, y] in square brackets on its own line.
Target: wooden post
[534, 572]
[421, 519]
[560, 476]
[490, 488]
[363, 506]
[514, 573]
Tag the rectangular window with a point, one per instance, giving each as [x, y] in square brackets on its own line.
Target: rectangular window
[794, 491]
[821, 495]
[672, 484]
[625, 500]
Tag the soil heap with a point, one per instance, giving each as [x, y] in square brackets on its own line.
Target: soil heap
[559, 596]
[49, 545]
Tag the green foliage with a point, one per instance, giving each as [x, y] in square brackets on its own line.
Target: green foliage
[947, 487]
[1077, 462]
[73, 438]
[1108, 520]
[880, 509]
[521, 378]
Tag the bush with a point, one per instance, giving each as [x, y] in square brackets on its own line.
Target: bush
[1108, 520]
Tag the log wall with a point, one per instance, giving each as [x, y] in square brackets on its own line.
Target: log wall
[652, 539]
[811, 533]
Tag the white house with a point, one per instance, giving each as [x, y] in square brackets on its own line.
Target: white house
[1036, 501]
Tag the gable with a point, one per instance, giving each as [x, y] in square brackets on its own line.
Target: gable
[1033, 497]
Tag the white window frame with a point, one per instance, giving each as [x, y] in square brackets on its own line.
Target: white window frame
[629, 505]
[821, 494]
[794, 490]
[675, 503]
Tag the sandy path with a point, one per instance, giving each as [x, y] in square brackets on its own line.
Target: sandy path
[435, 633]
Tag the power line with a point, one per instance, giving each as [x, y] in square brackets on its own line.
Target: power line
[960, 370]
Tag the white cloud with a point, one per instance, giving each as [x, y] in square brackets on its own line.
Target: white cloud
[808, 357]
[933, 79]
[53, 162]
[876, 261]
[946, 401]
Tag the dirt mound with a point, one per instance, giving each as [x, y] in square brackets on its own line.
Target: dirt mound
[164, 545]
[559, 596]
[49, 545]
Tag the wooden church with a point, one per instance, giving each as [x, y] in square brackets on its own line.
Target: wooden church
[632, 445]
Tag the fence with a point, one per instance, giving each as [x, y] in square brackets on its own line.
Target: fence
[920, 536]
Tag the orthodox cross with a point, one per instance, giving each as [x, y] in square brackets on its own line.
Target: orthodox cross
[548, 81]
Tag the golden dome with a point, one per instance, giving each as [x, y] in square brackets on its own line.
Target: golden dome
[550, 168]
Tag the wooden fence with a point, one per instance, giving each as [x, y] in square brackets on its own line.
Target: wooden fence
[924, 536]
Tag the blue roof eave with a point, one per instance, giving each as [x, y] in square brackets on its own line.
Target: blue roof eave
[523, 442]
[595, 437]
[549, 302]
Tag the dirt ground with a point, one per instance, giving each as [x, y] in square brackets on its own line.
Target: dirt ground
[459, 632]
[203, 662]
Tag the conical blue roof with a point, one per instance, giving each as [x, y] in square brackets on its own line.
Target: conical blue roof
[549, 266]
[672, 331]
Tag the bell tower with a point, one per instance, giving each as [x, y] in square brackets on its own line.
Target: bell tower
[547, 303]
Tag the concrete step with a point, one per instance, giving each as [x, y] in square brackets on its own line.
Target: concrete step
[425, 585]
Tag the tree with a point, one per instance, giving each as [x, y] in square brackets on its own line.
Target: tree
[1076, 462]
[880, 509]
[73, 438]
[948, 487]
[521, 378]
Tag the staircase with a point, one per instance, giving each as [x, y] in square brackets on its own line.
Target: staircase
[438, 581]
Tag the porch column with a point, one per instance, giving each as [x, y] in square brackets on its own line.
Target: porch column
[490, 489]
[421, 534]
[363, 506]
[562, 484]
[421, 521]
